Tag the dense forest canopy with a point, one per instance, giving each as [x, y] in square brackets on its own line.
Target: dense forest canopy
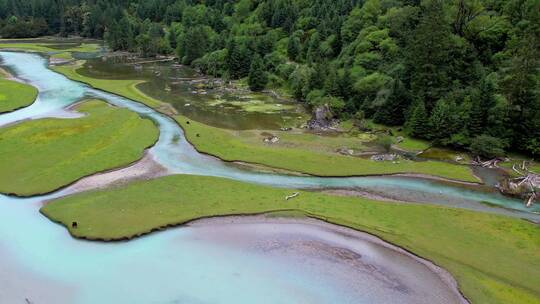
[462, 73]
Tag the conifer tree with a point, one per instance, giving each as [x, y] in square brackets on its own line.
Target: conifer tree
[293, 48]
[428, 54]
[257, 78]
[392, 112]
[442, 122]
[417, 124]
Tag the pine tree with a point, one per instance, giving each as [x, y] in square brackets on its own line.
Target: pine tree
[428, 54]
[345, 85]
[331, 84]
[392, 112]
[442, 122]
[476, 122]
[293, 48]
[195, 44]
[238, 59]
[257, 78]
[417, 123]
[314, 52]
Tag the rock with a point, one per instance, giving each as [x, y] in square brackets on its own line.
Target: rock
[322, 119]
[345, 151]
[399, 139]
[384, 157]
[271, 139]
[458, 158]
[286, 129]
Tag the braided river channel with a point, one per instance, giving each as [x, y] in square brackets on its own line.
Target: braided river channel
[227, 260]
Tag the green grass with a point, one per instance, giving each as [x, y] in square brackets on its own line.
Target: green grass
[43, 155]
[234, 146]
[126, 88]
[63, 55]
[15, 95]
[413, 144]
[45, 47]
[495, 259]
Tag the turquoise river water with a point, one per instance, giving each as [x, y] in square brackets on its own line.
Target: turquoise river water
[41, 263]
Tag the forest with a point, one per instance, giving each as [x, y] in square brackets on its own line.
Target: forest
[460, 73]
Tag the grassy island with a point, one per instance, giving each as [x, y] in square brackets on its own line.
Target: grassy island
[43, 155]
[15, 95]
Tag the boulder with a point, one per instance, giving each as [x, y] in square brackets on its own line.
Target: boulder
[271, 139]
[322, 119]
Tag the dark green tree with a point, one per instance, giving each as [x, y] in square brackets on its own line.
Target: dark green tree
[428, 54]
[293, 48]
[257, 78]
[443, 121]
[418, 124]
[483, 100]
[487, 146]
[392, 112]
[238, 59]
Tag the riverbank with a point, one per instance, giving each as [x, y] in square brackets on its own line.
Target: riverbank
[43, 155]
[466, 243]
[291, 154]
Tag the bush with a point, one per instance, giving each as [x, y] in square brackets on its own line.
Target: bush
[487, 146]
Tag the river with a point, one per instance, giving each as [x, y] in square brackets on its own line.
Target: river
[42, 263]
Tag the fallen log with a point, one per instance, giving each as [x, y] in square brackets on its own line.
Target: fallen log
[288, 197]
[492, 163]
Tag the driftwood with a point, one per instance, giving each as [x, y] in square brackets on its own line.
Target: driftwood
[288, 197]
[525, 185]
[492, 163]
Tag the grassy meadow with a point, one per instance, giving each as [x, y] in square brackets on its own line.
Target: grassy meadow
[43, 155]
[306, 153]
[495, 259]
[47, 47]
